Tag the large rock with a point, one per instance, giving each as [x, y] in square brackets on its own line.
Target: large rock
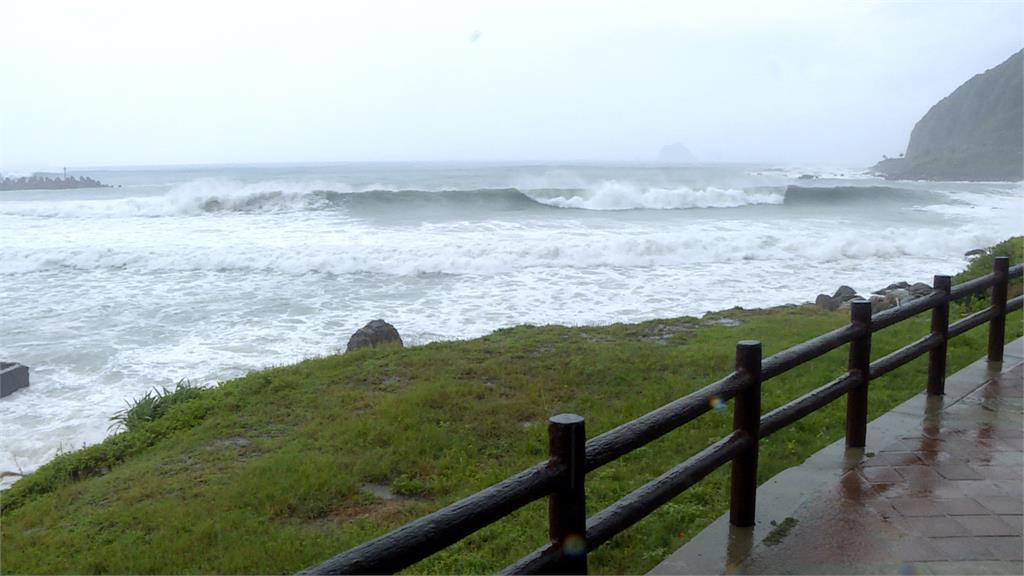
[835, 302]
[891, 299]
[826, 302]
[844, 293]
[879, 303]
[376, 333]
[894, 286]
[919, 289]
[898, 296]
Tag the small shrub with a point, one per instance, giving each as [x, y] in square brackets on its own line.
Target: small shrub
[982, 265]
[153, 405]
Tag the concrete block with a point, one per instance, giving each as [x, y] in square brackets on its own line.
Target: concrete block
[13, 376]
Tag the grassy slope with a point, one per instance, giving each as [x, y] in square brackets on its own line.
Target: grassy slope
[263, 474]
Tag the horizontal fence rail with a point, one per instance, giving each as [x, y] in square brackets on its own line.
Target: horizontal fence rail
[970, 322]
[644, 500]
[811, 402]
[898, 358]
[622, 440]
[561, 478]
[891, 316]
[438, 530]
[805, 352]
[1015, 304]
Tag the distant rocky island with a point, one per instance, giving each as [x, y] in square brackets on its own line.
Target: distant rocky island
[48, 182]
[676, 154]
[975, 133]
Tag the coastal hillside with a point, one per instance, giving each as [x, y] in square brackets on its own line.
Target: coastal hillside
[975, 133]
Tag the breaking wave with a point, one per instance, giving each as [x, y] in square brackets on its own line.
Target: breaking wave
[616, 195]
[204, 197]
[217, 196]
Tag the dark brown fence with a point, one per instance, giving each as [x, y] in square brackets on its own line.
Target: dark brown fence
[562, 476]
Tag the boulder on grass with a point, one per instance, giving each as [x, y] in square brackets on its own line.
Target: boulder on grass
[825, 301]
[376, 333]
[843, 294]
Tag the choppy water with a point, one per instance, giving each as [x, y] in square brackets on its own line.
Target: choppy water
[205, 273]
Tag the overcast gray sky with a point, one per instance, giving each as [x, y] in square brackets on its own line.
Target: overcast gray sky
[127, 83]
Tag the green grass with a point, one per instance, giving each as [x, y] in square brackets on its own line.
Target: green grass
[263, 474]
[153, 405]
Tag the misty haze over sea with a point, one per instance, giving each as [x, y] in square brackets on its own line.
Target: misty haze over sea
[205, 273]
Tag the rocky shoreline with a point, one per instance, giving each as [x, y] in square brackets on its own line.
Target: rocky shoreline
[892, 296]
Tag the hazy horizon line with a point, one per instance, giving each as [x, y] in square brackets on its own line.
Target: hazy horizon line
[511, 162]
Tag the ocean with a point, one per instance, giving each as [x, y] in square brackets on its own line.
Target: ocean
[204, 273]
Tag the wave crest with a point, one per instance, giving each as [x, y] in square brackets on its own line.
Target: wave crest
[616, 195]
[212, 196]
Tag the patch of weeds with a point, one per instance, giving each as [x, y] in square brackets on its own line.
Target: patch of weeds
[410, 487]
[779, 533]
[152, 405]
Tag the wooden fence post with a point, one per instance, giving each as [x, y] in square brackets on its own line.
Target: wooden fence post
[940, 326]
[997, 325]
[860, 363]
[567, 509]
[746, 416]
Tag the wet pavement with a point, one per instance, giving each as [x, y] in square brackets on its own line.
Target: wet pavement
[942, 497]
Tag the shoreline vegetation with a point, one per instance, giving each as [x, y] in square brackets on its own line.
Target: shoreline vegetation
[285, 467]
[49, 182]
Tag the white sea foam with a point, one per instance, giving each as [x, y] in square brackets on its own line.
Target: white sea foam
[618, 195]
[145, 285]
[817, 172]
[271, 246]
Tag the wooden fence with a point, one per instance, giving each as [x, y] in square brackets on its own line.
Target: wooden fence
[562, 476]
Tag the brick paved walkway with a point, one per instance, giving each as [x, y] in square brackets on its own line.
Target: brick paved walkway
[942, 498]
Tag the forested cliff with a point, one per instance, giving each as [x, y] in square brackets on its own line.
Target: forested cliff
[975, 133]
